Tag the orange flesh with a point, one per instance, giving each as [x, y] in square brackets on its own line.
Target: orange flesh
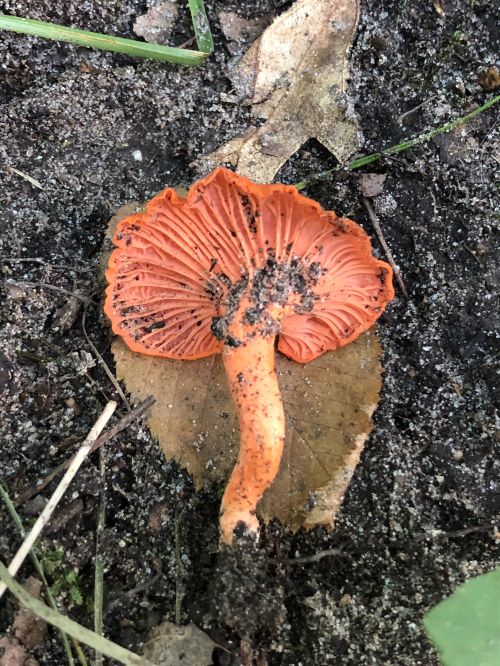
[229, 268]
[255, 390]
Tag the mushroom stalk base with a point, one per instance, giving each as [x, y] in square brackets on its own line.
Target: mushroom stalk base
[251, 374]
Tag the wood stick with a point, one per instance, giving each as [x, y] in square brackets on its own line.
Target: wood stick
[28, 492]
[73, 468]
[386, 248]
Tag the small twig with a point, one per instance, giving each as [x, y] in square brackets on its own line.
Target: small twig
[124, 422]
[30, 179]
[48, 264]
[178, 569]
[415, 108]
[472, 253]
[105, 366]
[388, 253]
[308, 559]
[28, 492]
[44, 517]
[52, 287]
[442, 534]
[38, 566]
[99, 560]
[130, 594]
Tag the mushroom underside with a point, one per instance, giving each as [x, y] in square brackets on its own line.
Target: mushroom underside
[232, 268]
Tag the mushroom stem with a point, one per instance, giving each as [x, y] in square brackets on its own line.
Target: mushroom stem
[251, 373]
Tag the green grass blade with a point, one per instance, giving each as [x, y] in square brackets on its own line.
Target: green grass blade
[71, 627]
[96, 40]
[201, 26]
[37, 564]
[400, 147]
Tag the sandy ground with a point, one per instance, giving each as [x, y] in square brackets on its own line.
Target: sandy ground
[419, 516]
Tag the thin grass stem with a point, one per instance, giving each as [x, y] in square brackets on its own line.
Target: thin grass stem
[201, 26]
[38, 566]
[99, 560]
[399, 148]
[71, 627]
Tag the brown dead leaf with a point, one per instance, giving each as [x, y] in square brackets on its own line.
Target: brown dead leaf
[13, 654]
[328, 404]
[28, 632]
[489, 78]
[28, 628]
[295, 77]
[174, 645]
[240, 31]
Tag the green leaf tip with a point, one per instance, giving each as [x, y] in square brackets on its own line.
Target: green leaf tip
[466, 627]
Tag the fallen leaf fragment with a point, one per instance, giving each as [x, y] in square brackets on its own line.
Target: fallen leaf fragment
[240, 31]
[328, 404]
[13, 654]
[295, 76]
[438, 6]
[372, 184]
[489, 78]
[174, 645]
[156, 25]
[29, 629]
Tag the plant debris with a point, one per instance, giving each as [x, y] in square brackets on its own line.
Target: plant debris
[372, 184]
[239, 31]
[28, 632]
[157, 24]
[295, 77]
[174, 645]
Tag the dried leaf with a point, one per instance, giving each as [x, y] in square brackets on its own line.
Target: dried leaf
[13, 654]
[489, 78]
[328, 403]
[372, 184]
[29, 629]
[28, 632]
[240, 31]
[174, 645]
[295, 77]
[156, 25]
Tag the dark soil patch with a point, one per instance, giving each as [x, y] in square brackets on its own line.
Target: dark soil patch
[418, 517]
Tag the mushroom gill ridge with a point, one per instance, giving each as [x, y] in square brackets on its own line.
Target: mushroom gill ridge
[182, 267]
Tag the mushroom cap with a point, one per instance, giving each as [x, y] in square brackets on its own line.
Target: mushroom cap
[179, 265]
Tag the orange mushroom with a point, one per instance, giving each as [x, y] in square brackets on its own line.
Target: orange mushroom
[230, 268]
